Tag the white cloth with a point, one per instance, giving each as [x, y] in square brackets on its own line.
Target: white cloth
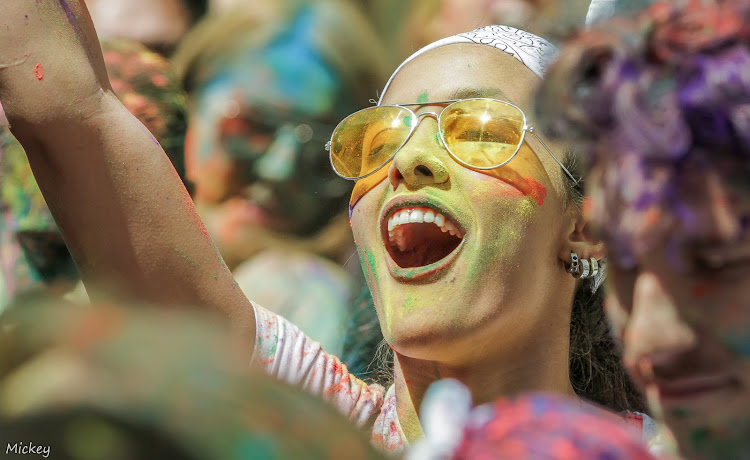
[531, 50]
[284, 352]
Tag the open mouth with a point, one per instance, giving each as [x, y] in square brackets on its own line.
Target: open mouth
[420, 236]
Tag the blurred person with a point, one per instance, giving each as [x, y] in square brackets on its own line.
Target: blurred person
[473, 246]
[33, 255]
[661, 106]
[106, 382]
[267, 83]
[158, 24]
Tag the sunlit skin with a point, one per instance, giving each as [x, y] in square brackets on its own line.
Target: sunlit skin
[497, 318]
[685, 313]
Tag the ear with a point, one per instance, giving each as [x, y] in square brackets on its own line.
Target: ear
[579, 238]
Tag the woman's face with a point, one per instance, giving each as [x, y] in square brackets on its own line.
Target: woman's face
[256, 138]
[683, 309]
[440, 296]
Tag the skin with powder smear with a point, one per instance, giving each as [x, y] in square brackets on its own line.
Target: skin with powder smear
[487, 298]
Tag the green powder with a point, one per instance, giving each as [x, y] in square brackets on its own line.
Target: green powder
[371, 261]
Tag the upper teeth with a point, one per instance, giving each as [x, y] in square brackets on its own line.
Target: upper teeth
[420, 215]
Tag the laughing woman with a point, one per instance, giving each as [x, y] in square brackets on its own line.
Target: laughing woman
[467, 225]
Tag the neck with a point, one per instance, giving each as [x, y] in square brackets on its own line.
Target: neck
[541, 369]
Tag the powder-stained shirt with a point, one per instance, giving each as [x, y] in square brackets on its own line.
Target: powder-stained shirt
[285, 352]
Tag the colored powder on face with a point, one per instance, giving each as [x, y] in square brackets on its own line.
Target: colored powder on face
[409, 304]
[39, 71]
[423, 97]
[407, 121]
[526, 208]
[371, 261]
[536, 190]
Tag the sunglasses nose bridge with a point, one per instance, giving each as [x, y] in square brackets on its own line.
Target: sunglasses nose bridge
[417, 163]
[434, 115]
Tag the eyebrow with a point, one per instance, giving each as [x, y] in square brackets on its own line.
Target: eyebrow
[468, 93]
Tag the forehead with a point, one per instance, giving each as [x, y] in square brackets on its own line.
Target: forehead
[463, 70]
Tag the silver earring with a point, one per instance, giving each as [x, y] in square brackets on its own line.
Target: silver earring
[594, 267]
[586, 269]
[573, 267]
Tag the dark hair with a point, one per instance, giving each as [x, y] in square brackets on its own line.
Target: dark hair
[653, 98]
[596, 371]
[365, 351]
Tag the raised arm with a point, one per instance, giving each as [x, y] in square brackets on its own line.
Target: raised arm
[122, 209]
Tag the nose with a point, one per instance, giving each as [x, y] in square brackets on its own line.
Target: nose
[655, 329]
[422, 160]
[279, 162]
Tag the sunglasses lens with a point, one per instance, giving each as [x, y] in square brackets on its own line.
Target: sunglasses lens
[481, 132]
[364, 141]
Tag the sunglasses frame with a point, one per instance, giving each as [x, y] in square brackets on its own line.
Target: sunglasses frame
[524, 129]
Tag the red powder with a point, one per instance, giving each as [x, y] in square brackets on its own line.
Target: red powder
[39, 71]
[535, 190]
[526, 185]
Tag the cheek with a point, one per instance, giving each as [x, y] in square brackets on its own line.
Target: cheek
[362, 186]
[365, 222]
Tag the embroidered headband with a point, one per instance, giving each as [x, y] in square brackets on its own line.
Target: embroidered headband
[531, 50]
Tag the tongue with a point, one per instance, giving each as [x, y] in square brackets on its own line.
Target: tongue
[422, 243]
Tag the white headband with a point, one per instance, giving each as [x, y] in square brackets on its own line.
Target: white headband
[533, 51]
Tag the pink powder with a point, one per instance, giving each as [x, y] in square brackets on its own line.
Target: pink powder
[39, 71]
